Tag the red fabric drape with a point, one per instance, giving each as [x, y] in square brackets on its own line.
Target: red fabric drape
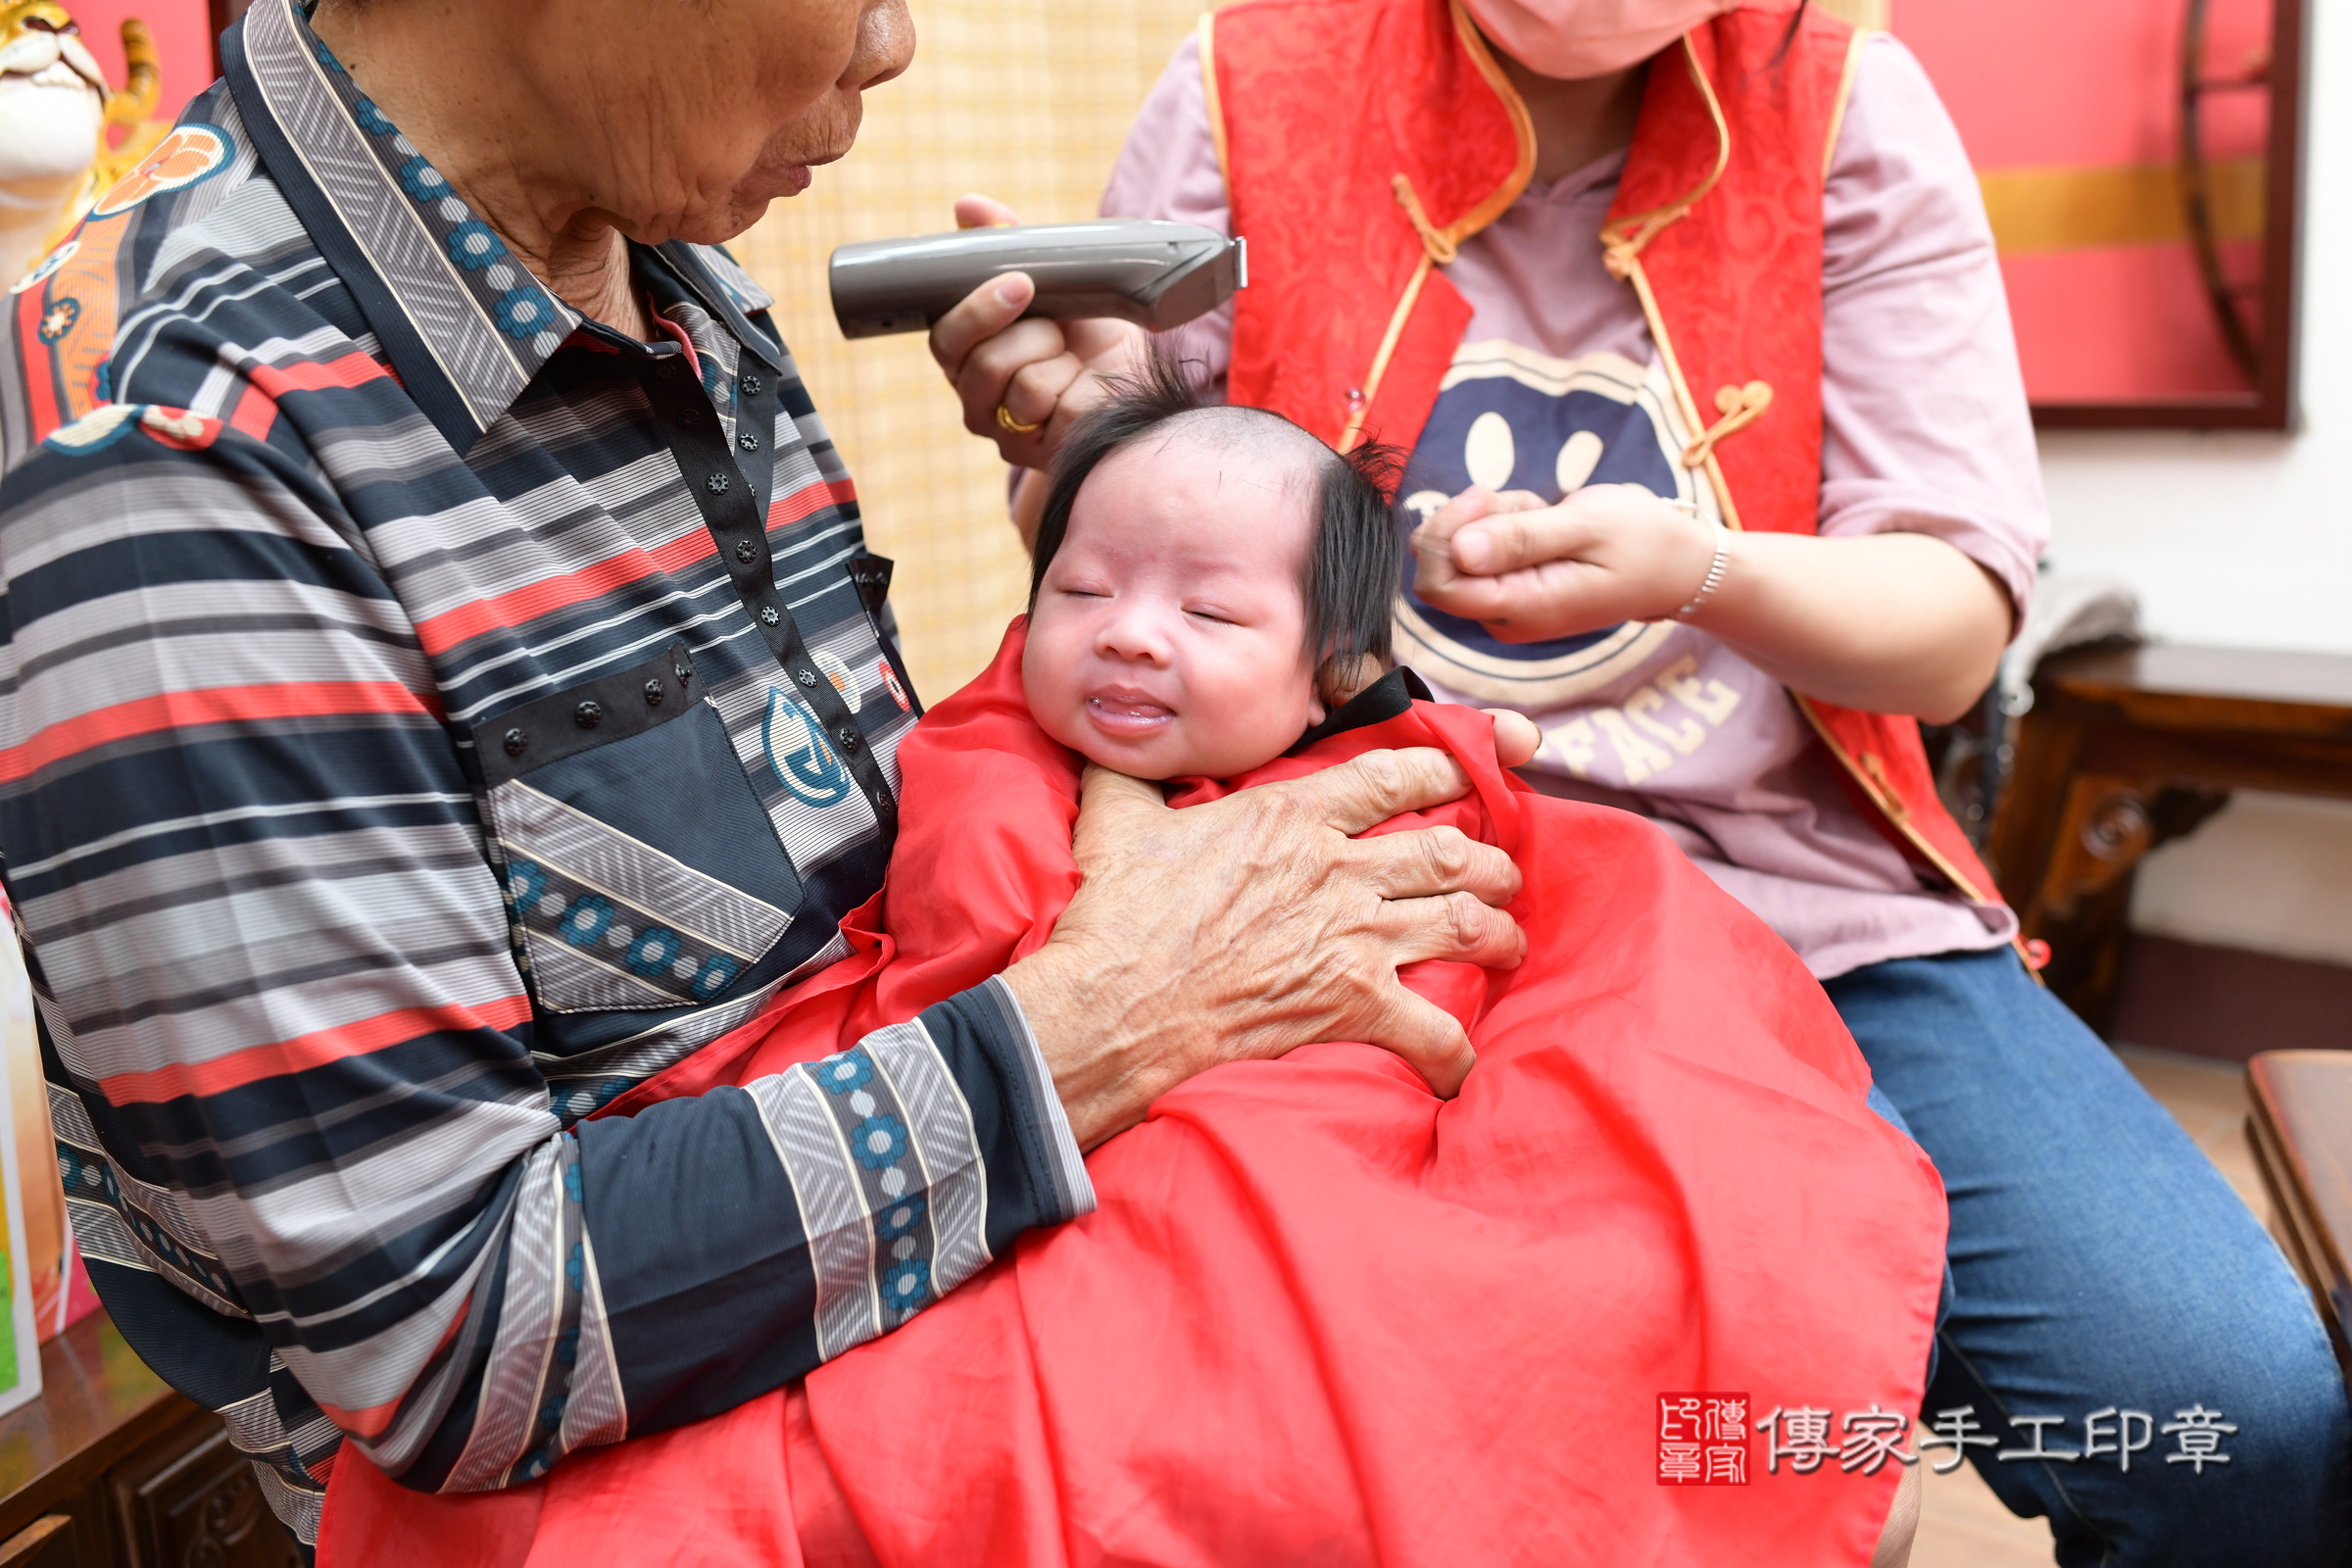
[1320, 1315]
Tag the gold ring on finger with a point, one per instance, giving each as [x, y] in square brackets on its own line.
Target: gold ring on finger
[1016, 426]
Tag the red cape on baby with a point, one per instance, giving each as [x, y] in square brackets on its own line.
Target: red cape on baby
[1322, 1316]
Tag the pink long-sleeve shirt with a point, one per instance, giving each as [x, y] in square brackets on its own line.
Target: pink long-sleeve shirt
[1557, 384]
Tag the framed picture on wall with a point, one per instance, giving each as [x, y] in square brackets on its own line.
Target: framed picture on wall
[2141, 163]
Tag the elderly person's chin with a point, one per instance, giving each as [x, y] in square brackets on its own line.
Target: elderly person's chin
[782, 172]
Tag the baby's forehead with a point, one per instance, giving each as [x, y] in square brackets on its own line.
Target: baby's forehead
[1242, 463]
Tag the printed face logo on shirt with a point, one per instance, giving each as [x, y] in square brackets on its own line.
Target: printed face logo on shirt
[796, 749]
[1510, 418]
[191, 153]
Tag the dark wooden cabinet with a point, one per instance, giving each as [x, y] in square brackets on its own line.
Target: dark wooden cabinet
[110, 1468]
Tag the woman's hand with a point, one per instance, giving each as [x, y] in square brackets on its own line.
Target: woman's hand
[1040, 372]
[1891, 622]
[1248, 926]
[1608, 553]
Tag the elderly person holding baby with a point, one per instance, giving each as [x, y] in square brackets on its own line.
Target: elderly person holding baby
[1721, 471]
[445, 687]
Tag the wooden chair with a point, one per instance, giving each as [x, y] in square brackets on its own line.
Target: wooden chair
[2301, 1125]
[2126, 748]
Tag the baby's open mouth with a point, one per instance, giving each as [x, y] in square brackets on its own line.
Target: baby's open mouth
[1129, 714]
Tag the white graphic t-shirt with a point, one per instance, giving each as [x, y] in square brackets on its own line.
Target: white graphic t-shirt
[1557, 385]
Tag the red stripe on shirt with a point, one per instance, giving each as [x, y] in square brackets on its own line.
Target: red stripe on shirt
[447, 630]
[317, 375]
[40, 366]
[220, 704]
[785, 511]
[318, 1048]
[256, 411]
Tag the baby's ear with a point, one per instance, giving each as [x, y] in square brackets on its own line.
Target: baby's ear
[1342, 677]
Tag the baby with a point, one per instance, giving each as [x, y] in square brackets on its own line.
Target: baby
[1420, 1332]
[1209, 583]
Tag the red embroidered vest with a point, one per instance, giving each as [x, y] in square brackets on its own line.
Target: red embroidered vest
[1363, 140]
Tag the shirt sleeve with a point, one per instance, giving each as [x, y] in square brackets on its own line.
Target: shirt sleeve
[1925, 424]
[1168, 169]
[307, 1144]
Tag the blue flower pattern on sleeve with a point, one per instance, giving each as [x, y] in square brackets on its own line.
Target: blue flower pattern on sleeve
[901, 1218]
[906, 1285]
[873, 1125]
[846, 1071]
[879, 1142]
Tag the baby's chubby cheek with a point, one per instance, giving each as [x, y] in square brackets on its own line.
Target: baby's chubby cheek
[1050, 685]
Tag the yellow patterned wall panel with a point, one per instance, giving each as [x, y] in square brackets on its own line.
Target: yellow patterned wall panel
[1027, 100]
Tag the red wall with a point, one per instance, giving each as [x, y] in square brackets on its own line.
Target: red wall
[2075, 84]
[183, 38]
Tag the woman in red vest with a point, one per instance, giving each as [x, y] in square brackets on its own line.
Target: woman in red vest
[1689, 314]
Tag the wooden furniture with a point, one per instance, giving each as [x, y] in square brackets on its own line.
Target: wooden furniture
[2127, 748]
[110, 1468]
[2302, 1130]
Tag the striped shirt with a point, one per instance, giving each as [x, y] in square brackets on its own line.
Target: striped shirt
[424, 714]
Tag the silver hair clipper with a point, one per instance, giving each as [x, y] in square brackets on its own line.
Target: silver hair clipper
[1152, 273]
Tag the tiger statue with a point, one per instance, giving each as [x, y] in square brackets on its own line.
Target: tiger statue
[65, 135]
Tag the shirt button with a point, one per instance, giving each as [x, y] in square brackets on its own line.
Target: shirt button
[768, 615]
[716, 484]
[748, 441]
[588, 715]
[654, 694]
[744, 552]
[807, 677]
[750, 385]
[849, 737]
[690, 414]
[517, 740]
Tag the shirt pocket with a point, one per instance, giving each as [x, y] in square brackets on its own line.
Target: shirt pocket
[642, 873]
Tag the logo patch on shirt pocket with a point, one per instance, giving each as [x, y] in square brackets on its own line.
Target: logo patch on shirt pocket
[612, 922]
[642, 874]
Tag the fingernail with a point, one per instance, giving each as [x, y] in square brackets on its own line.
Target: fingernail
[1472, 550]
[1012, 291]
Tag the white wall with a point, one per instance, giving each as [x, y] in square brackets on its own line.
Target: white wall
[2245, 540]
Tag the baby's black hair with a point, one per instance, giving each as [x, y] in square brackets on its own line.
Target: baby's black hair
[1357, 554]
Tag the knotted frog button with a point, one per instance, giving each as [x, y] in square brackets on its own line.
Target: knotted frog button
[588, 715]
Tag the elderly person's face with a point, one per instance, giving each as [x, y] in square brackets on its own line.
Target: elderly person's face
[663, 118]
[709, 109]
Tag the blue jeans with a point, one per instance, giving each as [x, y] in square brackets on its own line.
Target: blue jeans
[2099, 1263]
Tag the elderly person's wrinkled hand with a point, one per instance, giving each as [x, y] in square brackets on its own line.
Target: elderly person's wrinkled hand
[1245, 927]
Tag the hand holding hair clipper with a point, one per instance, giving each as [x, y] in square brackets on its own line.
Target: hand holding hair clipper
[1024, 376]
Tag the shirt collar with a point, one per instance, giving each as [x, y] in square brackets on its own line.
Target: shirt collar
[464, 324]
[1385, 699]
